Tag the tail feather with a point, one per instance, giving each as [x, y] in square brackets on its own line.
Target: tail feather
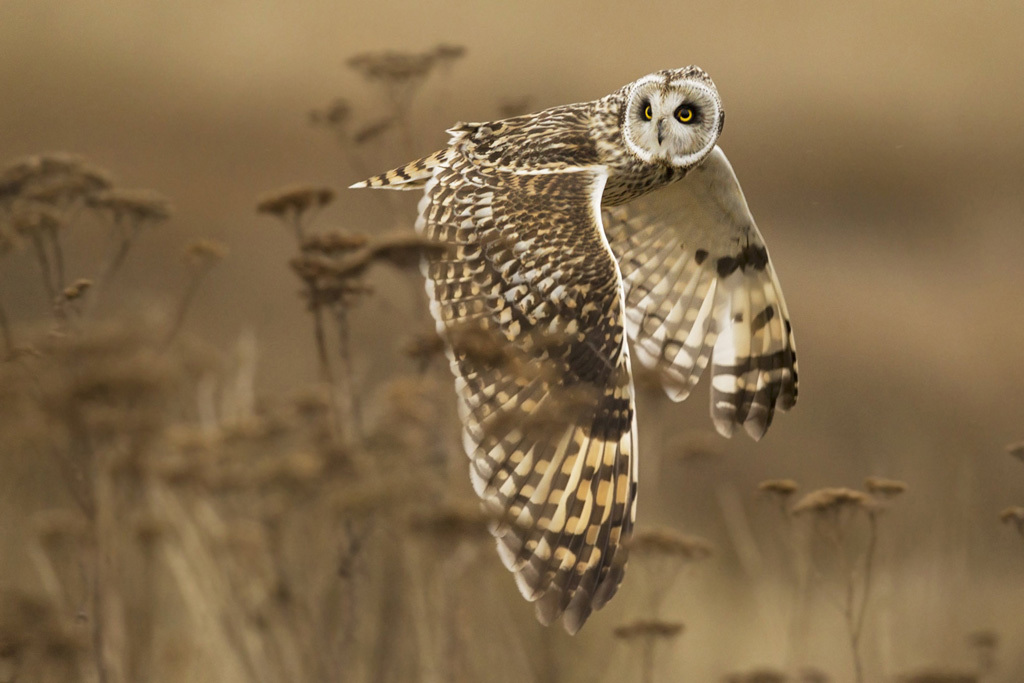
[412, 176]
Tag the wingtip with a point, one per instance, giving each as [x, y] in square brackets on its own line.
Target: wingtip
[358, 186]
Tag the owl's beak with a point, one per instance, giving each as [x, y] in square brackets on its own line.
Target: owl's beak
[661, 130]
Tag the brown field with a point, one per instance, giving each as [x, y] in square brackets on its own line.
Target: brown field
[225, 458]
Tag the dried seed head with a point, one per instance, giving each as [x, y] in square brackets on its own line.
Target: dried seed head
[334, 242]
[52, 178]
[392, 67]
[517, 106]
[782, 488]
[77, 289]
[884, 488]
[449, 53]
[295, 200]
[334, 114]
[134, 206]
[831, 500]
[30, 219]
[1013, 515]
[648, 628]
[669, 543]
[312, 402]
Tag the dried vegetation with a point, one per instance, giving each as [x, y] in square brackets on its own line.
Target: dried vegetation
[206, 531]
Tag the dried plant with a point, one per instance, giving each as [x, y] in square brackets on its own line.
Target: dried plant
[296, 206]
[780, 491]
[1013, 515]
[201, 256]
[645, 634]
[516, 106]
[832, 511]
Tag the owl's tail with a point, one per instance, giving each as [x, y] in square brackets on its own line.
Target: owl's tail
[412, 176]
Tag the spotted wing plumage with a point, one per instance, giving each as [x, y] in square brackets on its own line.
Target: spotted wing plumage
[528, 295]
[699, 287]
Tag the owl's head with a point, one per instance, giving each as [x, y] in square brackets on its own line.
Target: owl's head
[673, 117]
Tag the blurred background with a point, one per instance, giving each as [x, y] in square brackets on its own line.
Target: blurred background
[880, 148]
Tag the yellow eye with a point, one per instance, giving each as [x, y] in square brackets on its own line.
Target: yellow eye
[684, 114]
[647, 112]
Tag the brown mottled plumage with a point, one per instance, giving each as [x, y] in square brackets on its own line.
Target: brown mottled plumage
[554, 257]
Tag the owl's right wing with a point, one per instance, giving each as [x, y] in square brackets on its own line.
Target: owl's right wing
[528, 295]
[699, 286]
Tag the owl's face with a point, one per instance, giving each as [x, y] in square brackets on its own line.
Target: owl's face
[673, 117]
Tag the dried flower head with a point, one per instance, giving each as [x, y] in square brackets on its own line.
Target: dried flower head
[396, 67]
[782, 488]
[29, 219]
[1014, 515]
[517, 106]
[333, 115]
[134, 206]
[884, 488]
[648, 628]
[334, 242]
[669, 543]
[449, 53]
[77, 289]
[833, 500]
[52, 178]
[295, 200]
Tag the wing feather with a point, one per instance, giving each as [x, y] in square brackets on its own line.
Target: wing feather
[529, 296]
[700, 287]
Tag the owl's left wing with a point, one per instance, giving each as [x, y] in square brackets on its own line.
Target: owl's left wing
[699, 286]
[528, 295]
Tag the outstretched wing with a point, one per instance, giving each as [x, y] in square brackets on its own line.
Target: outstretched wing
[528, 295]
[699, 285]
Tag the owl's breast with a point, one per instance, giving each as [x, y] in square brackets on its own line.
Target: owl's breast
[635, 179]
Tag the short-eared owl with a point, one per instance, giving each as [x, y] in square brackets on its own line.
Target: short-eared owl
[562, 234]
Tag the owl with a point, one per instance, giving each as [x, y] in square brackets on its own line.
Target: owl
[565, 240]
